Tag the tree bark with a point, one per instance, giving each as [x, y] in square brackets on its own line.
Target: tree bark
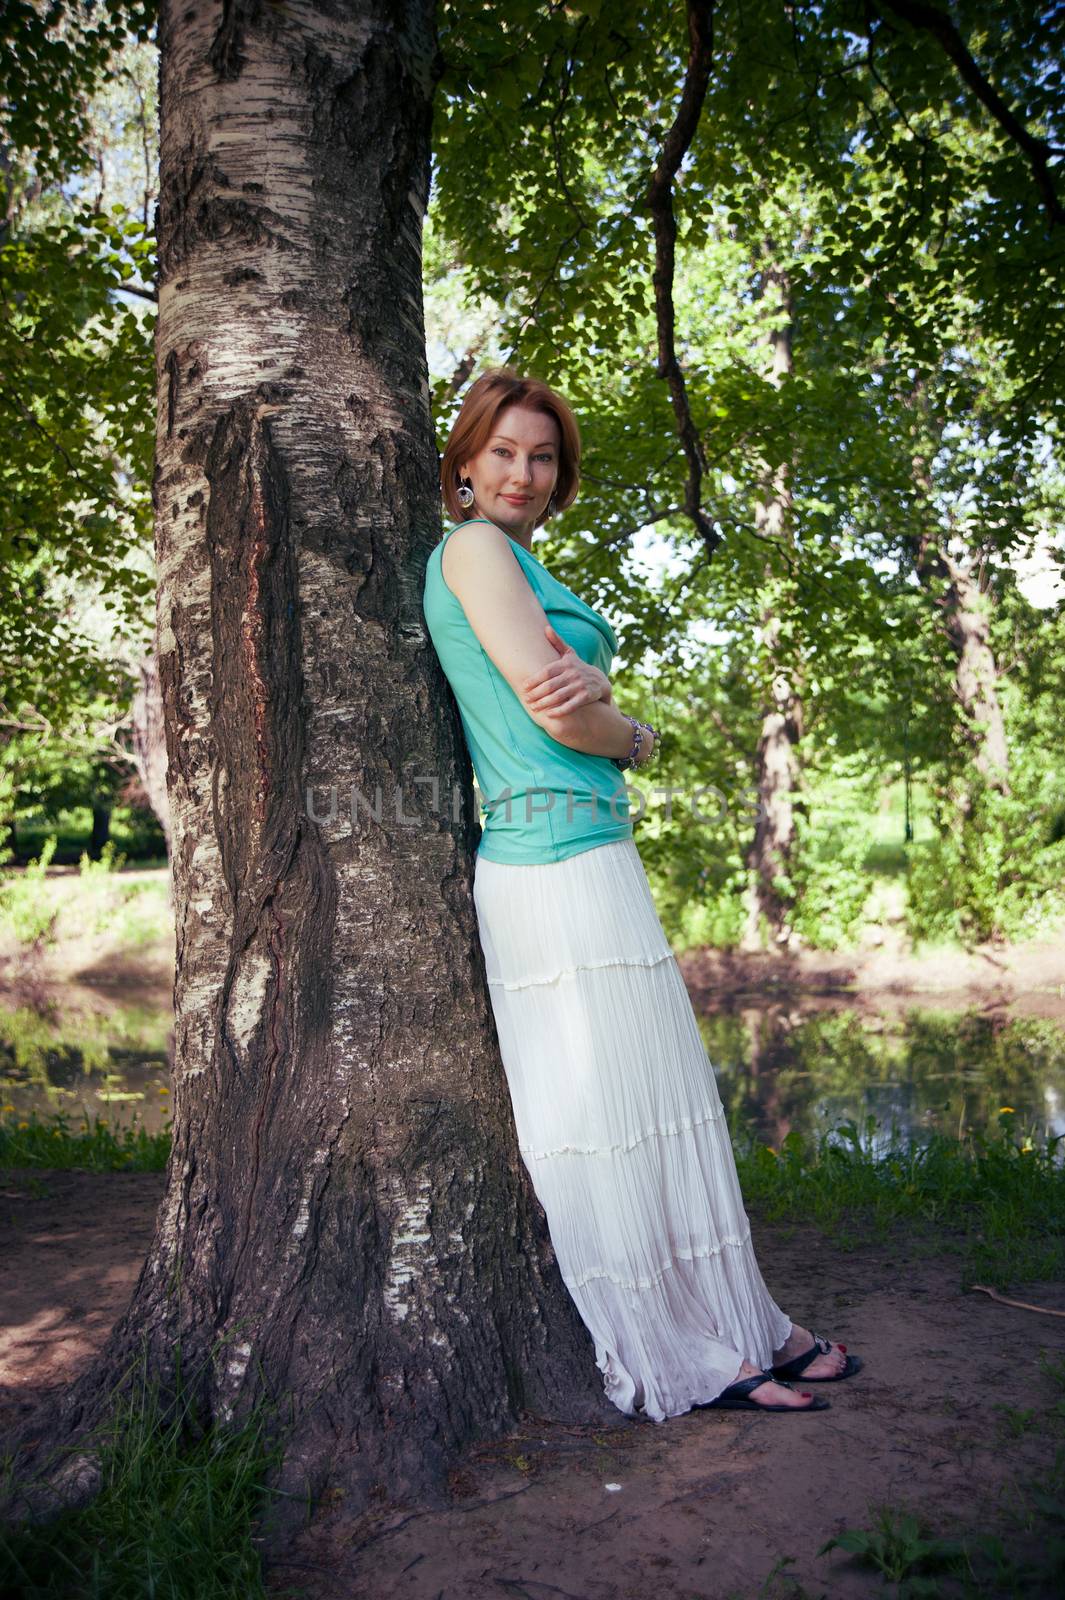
[777, 773]
[101, 827]
[148, 728]
[968, 624]
[347, 1221]
[965, 603]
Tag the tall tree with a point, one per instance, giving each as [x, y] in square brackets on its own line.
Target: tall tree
[777, 668]
[347, 1220]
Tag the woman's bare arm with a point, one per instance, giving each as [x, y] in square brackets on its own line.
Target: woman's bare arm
[481, 569]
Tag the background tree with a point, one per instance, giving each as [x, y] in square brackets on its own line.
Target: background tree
[76, 577]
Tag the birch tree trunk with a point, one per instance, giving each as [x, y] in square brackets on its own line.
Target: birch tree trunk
[347, 1221]
[777, 772]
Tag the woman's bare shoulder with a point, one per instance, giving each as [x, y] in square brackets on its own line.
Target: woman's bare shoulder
[480, 549]
[474, 529]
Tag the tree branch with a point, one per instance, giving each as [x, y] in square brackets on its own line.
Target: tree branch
[931, 20]
[659, 200]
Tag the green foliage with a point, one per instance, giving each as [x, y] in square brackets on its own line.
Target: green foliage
[53, 55]
[869, 183]
[75, 477]
[77, 404]
[1000, 872]
[852, 197]
[23, 903]
[829, 881]
[92, 871]
[902, 1548]
[134, 830]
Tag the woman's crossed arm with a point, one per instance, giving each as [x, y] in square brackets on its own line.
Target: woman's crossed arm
[485, 575]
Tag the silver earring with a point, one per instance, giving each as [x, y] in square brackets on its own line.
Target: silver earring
[465, 496]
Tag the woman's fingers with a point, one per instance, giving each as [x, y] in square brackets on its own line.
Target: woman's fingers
[571, 705]
[563, 702]
[547, 674]
[552, 693]
[562, 677]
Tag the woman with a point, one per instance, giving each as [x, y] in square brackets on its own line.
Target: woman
[618, 1115]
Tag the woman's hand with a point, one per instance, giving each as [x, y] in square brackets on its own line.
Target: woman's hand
[565, 684]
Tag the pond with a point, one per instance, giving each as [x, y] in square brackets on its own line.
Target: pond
[919, 1070]
[779, 1067]
[109, 1067]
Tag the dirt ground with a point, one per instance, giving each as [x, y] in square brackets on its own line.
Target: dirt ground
[704, 1505]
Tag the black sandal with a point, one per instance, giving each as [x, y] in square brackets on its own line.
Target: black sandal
[820, 1347]
[736, 1397]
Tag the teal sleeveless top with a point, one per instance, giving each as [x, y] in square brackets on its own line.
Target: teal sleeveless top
[544, 801]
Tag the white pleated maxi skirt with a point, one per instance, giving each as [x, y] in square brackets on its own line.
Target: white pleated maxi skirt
[621, 1127]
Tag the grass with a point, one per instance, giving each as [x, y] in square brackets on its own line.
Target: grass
[133, 831]
[174, 1517]
[999, 1199]
[100, 1147]
[130, 906]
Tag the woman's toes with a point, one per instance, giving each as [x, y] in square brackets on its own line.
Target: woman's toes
[827, 1364]
[779, 1394]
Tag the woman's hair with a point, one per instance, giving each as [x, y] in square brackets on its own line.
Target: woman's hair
[475, 424]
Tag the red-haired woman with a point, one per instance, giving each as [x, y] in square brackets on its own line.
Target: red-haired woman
[617, 1110]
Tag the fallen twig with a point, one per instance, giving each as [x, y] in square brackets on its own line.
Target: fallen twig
[1022, 1305]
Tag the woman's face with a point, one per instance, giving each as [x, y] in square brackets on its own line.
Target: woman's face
[514, 476]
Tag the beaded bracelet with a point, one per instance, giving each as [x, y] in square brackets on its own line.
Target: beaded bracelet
[623, 763]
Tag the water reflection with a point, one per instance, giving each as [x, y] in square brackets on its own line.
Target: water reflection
[778, 1067]
[921, 1070]
[106, 1066]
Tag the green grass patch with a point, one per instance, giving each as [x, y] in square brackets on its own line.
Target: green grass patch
[98, 1147]
[134, 831]
[174, 1517]
[129, 905]
[999, 1199]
